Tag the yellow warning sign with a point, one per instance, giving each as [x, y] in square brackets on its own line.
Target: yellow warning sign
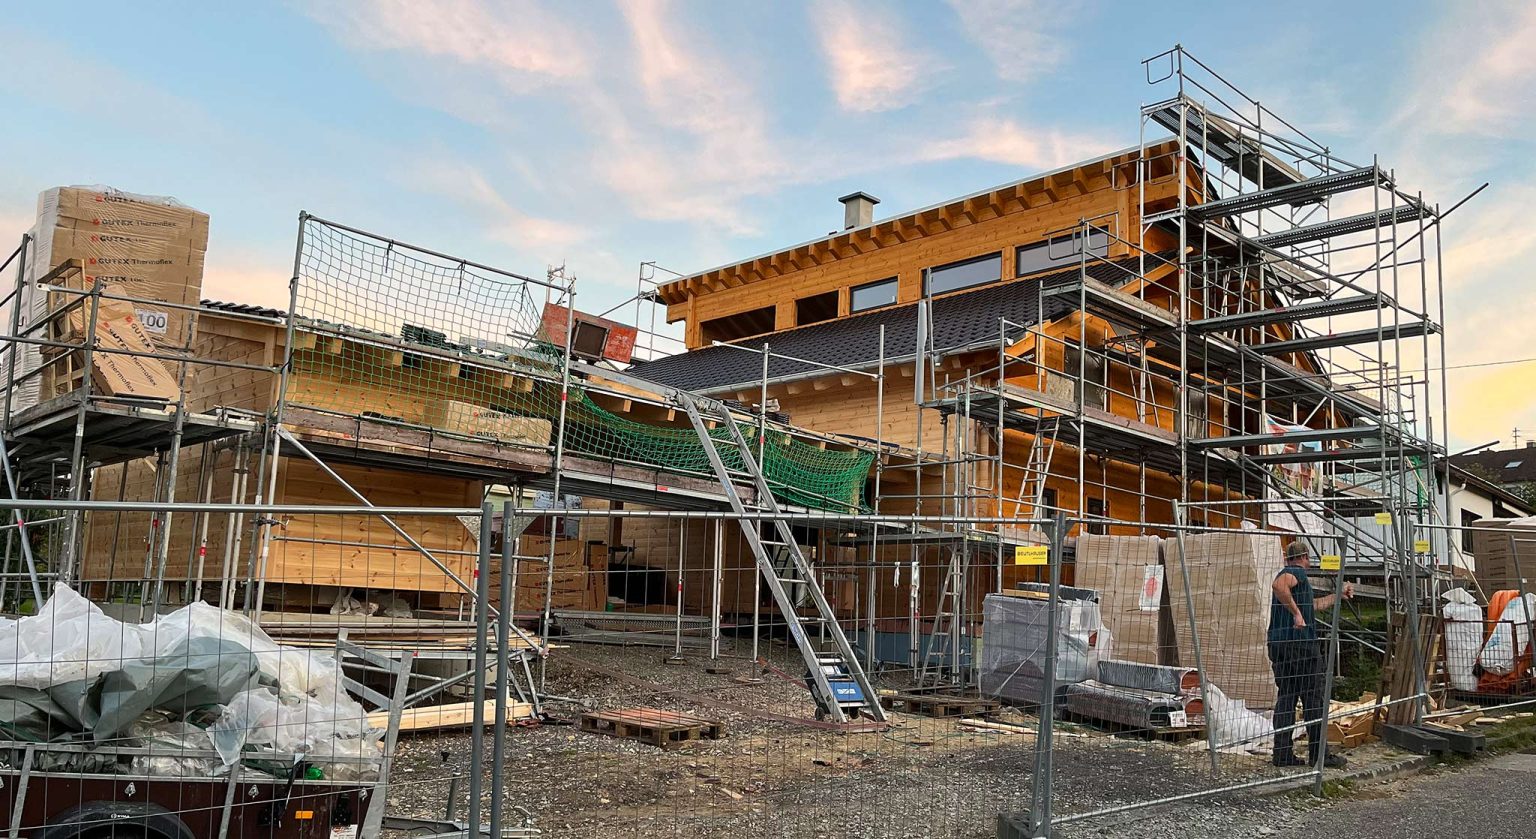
[1421, 546]
[1032, 555]
[1383, 518]
[1331, 562]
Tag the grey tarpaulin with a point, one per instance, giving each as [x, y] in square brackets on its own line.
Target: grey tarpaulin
[198, 679]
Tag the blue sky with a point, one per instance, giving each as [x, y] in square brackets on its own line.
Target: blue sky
[599, 135]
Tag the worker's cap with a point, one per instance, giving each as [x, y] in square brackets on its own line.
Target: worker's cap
[1296, 550]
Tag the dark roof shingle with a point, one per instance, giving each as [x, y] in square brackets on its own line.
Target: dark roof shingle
[1504, 467]
[960, 321]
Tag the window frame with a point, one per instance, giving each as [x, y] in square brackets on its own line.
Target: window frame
[1047, 243]
[961, 263]
[1049, 498]
[1096, 528]
[855, 308]
[1468, 521]
[821, 298]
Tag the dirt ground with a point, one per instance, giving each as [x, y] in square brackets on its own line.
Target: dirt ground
[770, 777]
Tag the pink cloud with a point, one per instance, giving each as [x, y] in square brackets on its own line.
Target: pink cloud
[518, 39]
[874, 66]
[1006, 141]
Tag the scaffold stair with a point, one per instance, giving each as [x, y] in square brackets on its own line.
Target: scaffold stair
[1309, 191]
[837, 681]
[1328, 307]
[1236, 148]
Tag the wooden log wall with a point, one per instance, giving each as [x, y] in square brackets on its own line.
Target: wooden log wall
[903, 247]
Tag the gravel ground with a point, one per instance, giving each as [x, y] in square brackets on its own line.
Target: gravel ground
[768, 777]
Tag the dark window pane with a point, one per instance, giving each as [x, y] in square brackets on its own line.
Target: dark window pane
[815, 309]
[872, 295]
[957, 275]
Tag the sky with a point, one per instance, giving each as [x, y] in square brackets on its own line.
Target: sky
[600, 135]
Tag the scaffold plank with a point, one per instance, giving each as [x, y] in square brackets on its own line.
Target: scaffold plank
[1309, 191]
[1342, 226]
[1389, 332]
[1329, 307]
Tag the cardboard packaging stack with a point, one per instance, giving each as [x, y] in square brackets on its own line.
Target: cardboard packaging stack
[146, 247]
[1229, 584]
[479, 421]
[1127, 572]
[150, 246]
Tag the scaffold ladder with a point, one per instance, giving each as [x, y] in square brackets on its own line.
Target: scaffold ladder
[1037, 467]
[942, 647]
[836, 679]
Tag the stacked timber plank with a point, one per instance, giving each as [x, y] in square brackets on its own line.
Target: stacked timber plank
[420, 634]
[580, 577]
[1506, 558]
[452, 715]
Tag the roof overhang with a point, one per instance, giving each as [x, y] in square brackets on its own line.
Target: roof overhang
[678, 290]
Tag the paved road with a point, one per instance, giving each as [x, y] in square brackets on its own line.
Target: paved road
[1490, 799]
[1494, 798]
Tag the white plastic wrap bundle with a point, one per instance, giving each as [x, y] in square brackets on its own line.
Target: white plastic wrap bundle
[1013, 652]
[307, 712]
[1463, 638]
[1234, 727]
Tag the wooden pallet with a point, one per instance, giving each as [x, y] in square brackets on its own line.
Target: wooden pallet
[940, 704]
[663, 729]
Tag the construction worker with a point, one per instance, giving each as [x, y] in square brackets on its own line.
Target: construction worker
[1298, 661]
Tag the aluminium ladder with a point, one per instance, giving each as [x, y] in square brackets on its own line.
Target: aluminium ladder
[1037, 467]
[836, 679]
[944, 652]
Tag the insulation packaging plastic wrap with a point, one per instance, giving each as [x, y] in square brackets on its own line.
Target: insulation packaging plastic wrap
[1119, 568]
[1511, 636]
[1233, 726]
[1013, 654]
[198, 678]
[1229, 577]
[1463, 638]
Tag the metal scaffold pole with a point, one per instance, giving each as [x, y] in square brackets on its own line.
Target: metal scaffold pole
[558, 463]
[1041, 782]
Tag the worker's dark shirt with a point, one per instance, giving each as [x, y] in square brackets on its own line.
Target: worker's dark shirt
[1282, 626]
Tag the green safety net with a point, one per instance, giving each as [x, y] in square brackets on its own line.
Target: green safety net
[412, 337]
[799, 473]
